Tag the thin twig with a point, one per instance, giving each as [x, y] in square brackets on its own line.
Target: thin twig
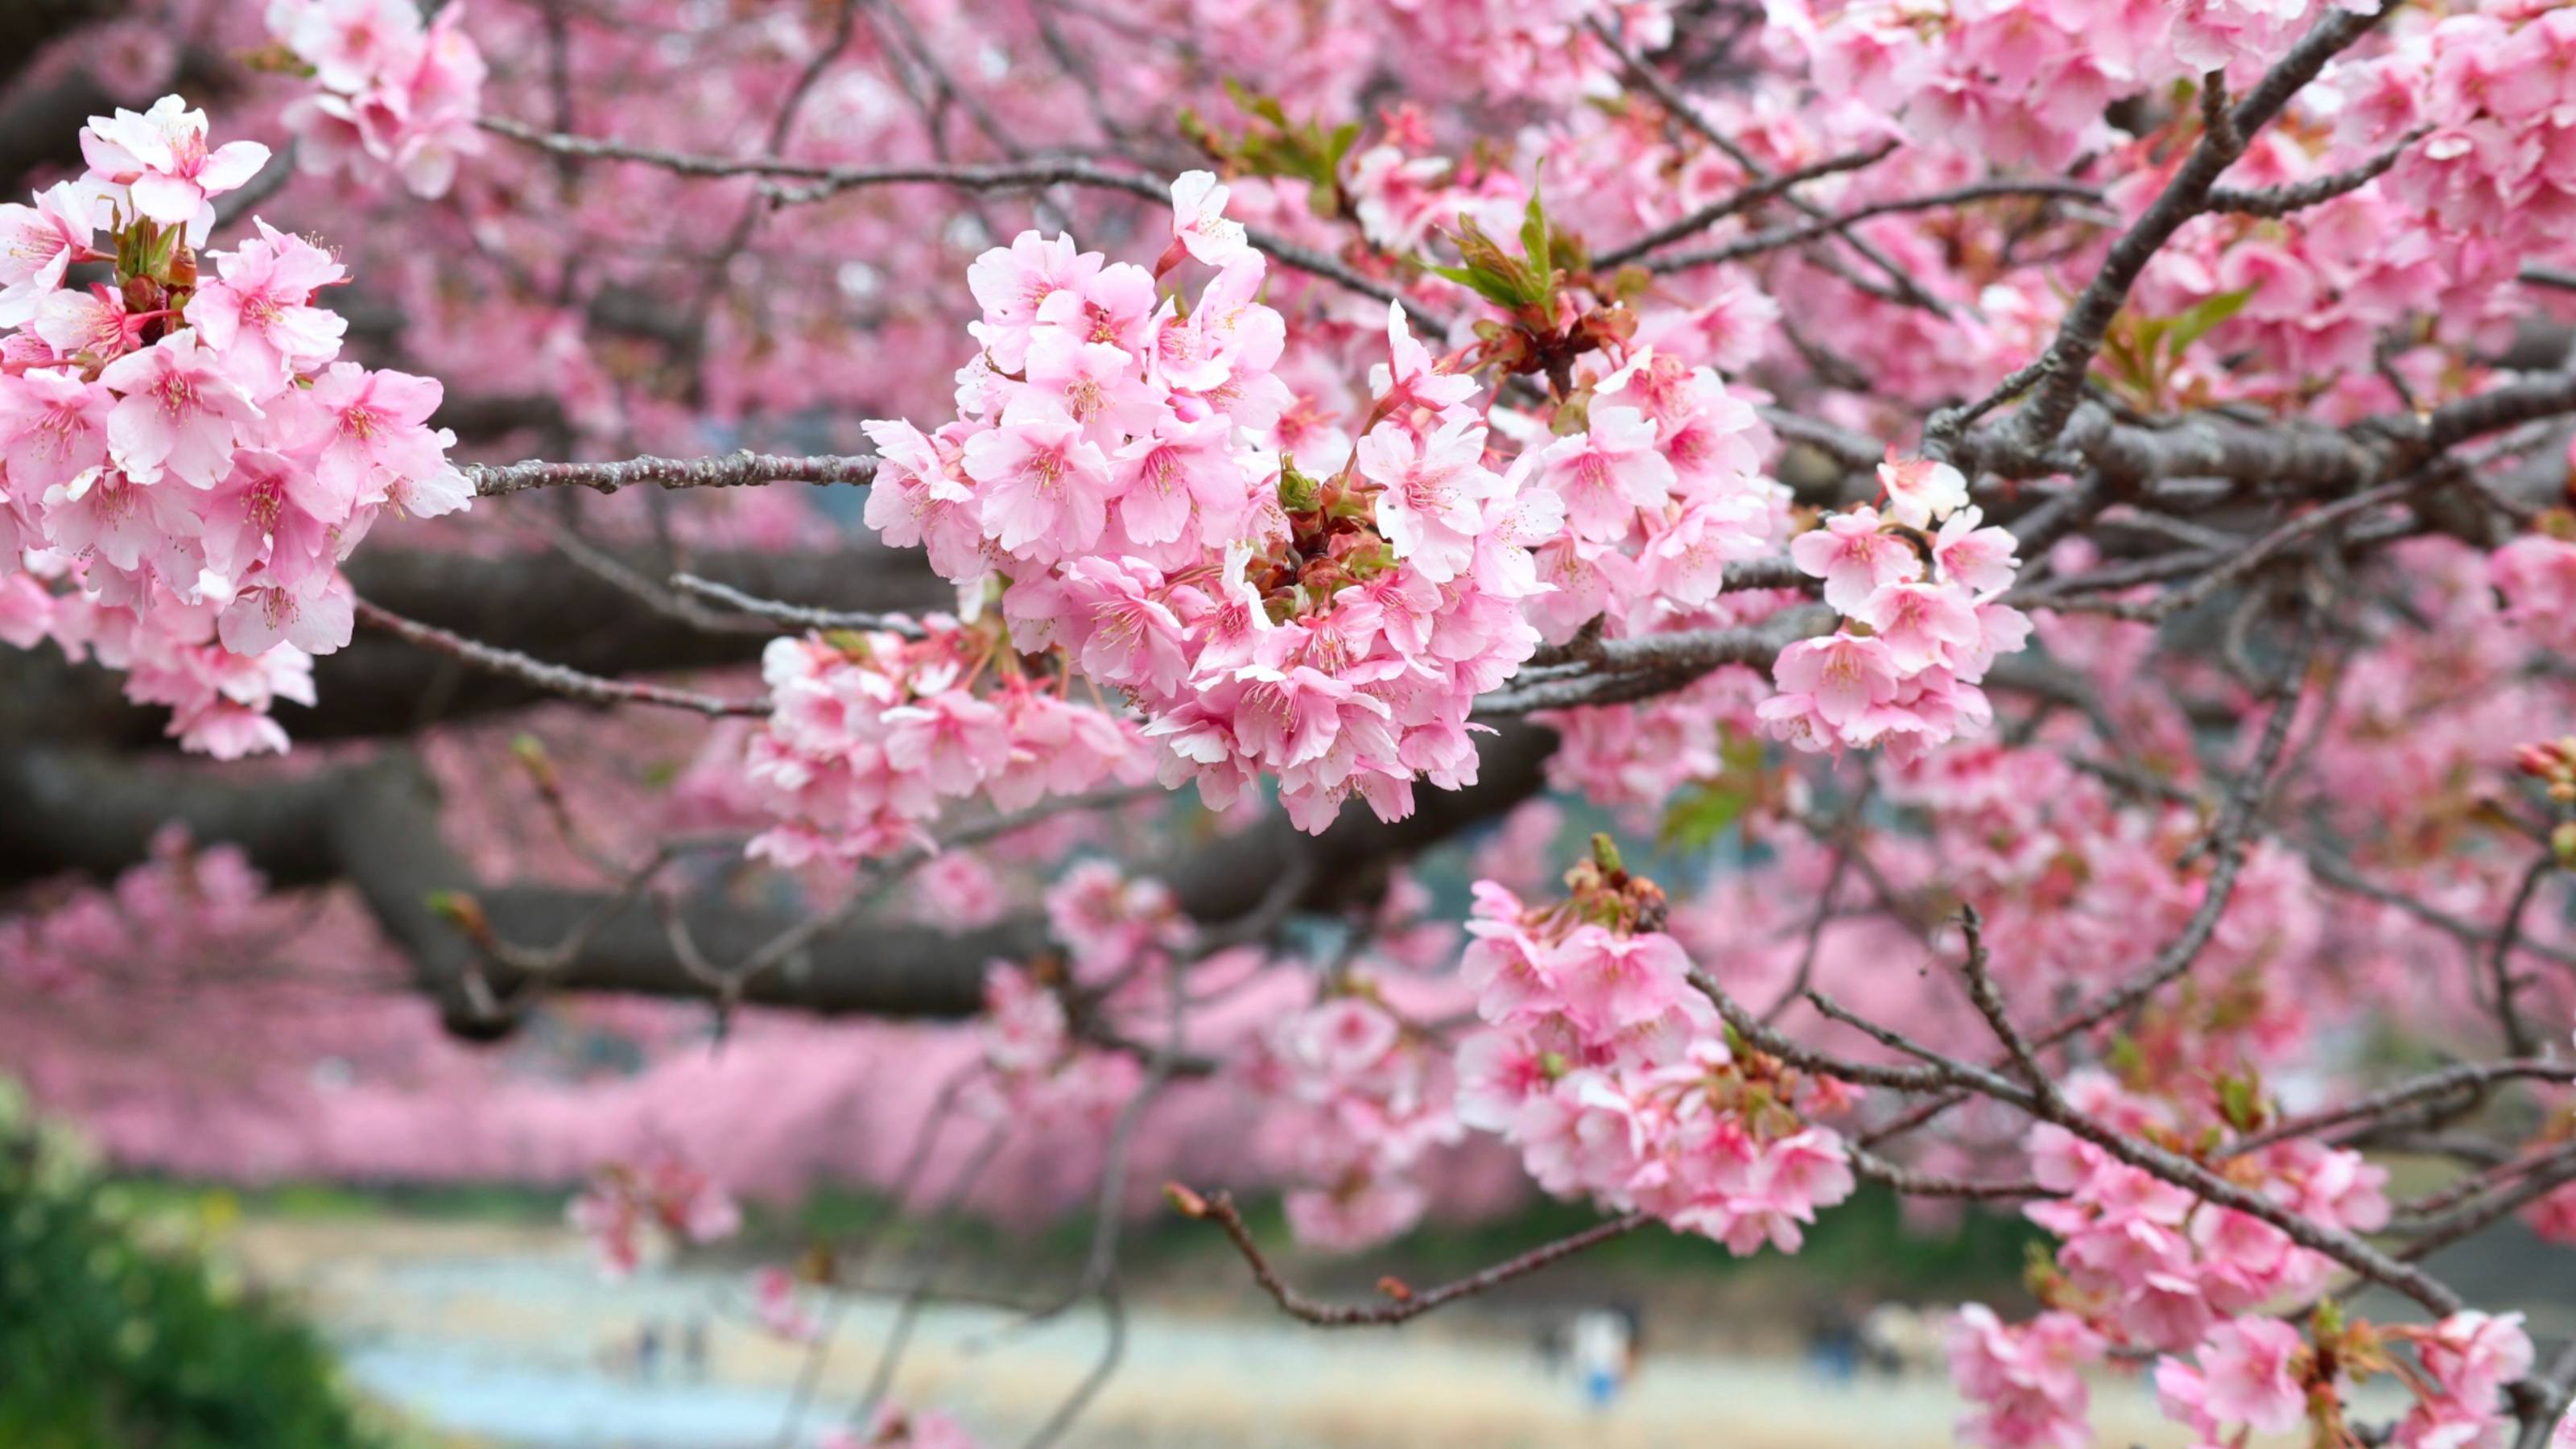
[2363, 1110]
[2518, 1039]
[1745, 199]
[1220, 1208]
[797, 614]
[553, 678]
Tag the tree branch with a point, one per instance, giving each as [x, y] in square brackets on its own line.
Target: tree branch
[1402, 1306]
[734, 470]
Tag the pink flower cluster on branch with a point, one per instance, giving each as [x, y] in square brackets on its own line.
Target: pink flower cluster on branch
[1370, 1111]
[872, 733]
[1115, 476]
[391, 93]
[2026, 82]
[183, 460]
[1617, 1080]
[1919, 588]
[2151, 1265]
[632, 1208]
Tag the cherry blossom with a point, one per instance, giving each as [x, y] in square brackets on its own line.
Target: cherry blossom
[159, 156]
[190, 490]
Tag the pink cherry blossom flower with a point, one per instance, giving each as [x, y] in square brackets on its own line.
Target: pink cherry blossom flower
[1844, 674]
[126, 524]
[2027, 1380]
[352, 43]
[1922, 625]
[1607, 472]
[1978, 558]
[1200, 226]
[1498, 1072]
[1130, 637]
[1921, 492]
[261, 616]
[2475, 1355]
[179, 412]
[38, 244]
[1012, 283]
[1616, 982]
[270, 513]
[53, 427]
[951, 740]
[160, 157]
[1435, 492]
[1179, 470]
[2537, 576]
[1094, 383]
[957, 891]
[921, 500]
[26, 609]
[1686, 561]
[1046, 486]
[259, 311]
[1114, 306]
[90, 326]
[368, 430]
[1854, 558]
[1411, 380]
[1288, 716]
[2250, 1374]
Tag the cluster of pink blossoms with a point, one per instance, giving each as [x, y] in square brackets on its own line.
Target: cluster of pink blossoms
[2479, 107]
[1661, 491]
[183, 463]
[2156, 1267]
[1362, 1082]
[2536, 574]
[1114, 464]
[871, 733]
[628, 1206]
[2025, 82]
[182, 904]
[390, 91]
[1033, 1066]
[2258, 1374]
[2494, 89]
[2025, 1379]
[1615, 1077]
[1120, 937]
[2145, 1264]
[1922, 581]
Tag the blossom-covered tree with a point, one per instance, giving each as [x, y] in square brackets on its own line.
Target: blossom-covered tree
[2054, 513]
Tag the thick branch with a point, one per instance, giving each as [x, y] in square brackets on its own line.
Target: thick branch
[376, 826]
[2222, 141]
[734, 470]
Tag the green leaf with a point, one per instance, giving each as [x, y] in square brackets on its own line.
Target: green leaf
[1344, 135]
[1495, 274]
[1297, 492]
[1704, 808]
[1275, 146]
[1701, 812]
[2240, 1102]
[2196, 321]
[1534, 236]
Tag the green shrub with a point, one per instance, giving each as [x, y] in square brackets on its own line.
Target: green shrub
[116, 1334]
